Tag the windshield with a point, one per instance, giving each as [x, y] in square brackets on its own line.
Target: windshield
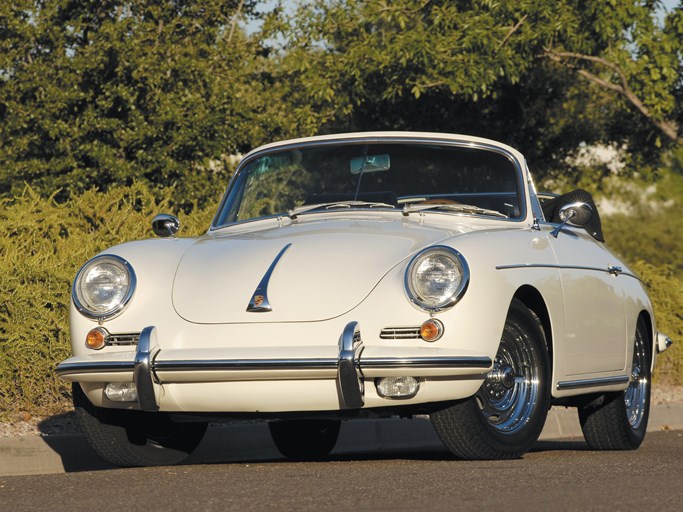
[374, 175]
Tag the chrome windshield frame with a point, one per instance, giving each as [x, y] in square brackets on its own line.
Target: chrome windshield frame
[522, 191]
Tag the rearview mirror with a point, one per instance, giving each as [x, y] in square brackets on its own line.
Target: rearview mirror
[578, 214]
[370, 163]
[165, 225]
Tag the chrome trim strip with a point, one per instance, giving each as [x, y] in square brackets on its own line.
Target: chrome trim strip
[93, 367]
[143, 372]
[123, 339]
[482, 362]
[259, 302]
[609, 270]
[244, 365]
[349, 376]
[275, 364]
[400, 333]
[522, 190]
[589, 383]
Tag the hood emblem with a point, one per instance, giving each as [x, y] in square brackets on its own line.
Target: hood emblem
[259, 302]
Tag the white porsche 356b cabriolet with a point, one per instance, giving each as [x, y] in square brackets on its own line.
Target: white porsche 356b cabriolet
[365, 275]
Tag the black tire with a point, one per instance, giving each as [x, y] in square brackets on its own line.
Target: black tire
[136, 438]
[618, 421]
[305, 439]
[506, 416]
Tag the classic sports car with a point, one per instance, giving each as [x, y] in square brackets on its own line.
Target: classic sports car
[365, 275]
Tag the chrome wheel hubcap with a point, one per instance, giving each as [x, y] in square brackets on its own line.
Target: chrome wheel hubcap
[635, 397]
[510, 393]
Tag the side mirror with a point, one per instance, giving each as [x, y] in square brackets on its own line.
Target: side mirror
[165, 225]
[578, 214]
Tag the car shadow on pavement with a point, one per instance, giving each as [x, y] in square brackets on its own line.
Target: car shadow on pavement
[63, 436]
[252, 444]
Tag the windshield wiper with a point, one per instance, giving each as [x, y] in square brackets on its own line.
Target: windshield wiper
[294, 212]
[462, 208]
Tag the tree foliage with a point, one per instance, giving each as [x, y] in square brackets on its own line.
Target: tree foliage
[500, 69]
[99, 93]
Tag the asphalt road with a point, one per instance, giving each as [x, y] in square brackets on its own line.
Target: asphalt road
[561, 475]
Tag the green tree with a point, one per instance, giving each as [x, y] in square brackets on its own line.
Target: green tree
[500, 69]
[104, 92]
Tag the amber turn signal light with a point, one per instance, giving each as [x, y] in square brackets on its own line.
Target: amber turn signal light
[431, 330]
[96, 338]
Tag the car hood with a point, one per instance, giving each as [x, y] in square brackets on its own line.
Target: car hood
[329, 268]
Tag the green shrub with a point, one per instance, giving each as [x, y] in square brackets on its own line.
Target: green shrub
[43, 245]
[666, 292]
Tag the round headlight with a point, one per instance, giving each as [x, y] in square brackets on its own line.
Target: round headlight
[436, 278]
[103, 287]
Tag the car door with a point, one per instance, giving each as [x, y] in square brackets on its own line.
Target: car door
[595, 316]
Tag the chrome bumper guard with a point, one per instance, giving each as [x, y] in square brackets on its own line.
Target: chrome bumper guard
[348, 366]
[143, 369]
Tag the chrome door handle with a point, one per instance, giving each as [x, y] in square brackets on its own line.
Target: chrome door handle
[613, 269]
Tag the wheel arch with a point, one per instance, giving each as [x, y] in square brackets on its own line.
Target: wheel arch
[645, 316]
[533, 300]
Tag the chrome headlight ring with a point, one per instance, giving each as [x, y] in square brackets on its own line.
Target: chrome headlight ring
[103, 287]
[436, 278]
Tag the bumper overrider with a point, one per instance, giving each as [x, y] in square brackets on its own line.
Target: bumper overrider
[353, 364]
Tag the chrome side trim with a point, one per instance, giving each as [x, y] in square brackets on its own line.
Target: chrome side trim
[259, 302]
[609, 269]
[349, 376]
[244, 365]
[589, 383]
[143, 370]
[483, 363]
[94, 367]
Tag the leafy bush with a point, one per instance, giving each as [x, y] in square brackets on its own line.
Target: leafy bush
[650, 225]
[666, 292]
[43, 245]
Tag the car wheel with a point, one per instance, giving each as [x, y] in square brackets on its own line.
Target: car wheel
[618, 421]
[506, 416]
[305, 439]
[136, 438]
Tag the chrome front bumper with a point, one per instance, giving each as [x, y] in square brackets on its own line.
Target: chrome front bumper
[352, 365]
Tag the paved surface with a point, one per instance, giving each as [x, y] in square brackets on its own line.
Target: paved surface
[556, 476]
[33, 455]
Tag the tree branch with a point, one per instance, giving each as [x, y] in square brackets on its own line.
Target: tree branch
[512, 31]
[234, 20]
[668, 126]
